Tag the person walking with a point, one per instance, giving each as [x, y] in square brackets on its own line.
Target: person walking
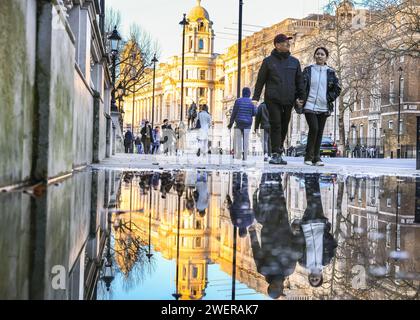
[128, 141]
[156, 140]
[147, 137]
[137, 142]
[242, 114]
[168, 137]
[322, 89]
[281, 75]
[262, 123]
[204, 118]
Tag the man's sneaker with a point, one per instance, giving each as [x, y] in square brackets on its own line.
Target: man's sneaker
[319, 163]
[309, 163]
[277, 159]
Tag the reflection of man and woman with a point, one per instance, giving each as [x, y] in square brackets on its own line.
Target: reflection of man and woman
[277, 254]
[282, 245]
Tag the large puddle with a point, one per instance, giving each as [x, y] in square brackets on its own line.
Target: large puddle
[189, 235]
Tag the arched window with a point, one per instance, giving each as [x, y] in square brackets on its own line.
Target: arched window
[201, 44]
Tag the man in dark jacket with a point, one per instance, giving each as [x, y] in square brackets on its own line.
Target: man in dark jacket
[147, 137]
[262, 121]
[128, 141]
[242, 114]
[281, 75]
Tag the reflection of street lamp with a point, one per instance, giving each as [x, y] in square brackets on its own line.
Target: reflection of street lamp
[108, 276]
[149, 254]
[375, 129]
[154, 60]
[238, 92]
[177, 295]
[184, 23]
[400, 70]
[115, 39]
[398, 254]
[235, 235]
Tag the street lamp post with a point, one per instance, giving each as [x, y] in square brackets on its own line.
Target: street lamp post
[375, 128]
[184, 23]
[115, 39]
[154, 60]
[400, 70]
[238, 89]
[335, 121]
[134, 108]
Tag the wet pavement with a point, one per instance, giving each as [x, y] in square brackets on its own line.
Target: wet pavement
[192, 234]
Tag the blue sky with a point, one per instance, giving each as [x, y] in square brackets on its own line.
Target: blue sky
[161, 17]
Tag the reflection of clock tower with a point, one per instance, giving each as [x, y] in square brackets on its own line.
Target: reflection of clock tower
[194, 253]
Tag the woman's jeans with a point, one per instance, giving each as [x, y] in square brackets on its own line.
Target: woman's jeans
[316, 123]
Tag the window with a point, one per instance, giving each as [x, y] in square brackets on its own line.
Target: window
[191, 43]
[198, 224]
[201, 92]
[201, 44]
[194, 272]
[202, 74]
[402, 90]
[391, 92]
[390, 124]
[198, 242]
[186, 74]
[388, 202]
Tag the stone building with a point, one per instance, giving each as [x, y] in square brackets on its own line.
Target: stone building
[203, 79]
[57, 93]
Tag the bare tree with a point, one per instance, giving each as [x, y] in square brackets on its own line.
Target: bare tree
[394, 30]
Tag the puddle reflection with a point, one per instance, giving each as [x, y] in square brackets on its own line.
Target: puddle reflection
[212, 235]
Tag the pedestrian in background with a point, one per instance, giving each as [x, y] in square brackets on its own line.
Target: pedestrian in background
[147, 137]
[128, 141]
[137, 142]
[242, 116]
[204, 119]
[322, 89]
[156, 140]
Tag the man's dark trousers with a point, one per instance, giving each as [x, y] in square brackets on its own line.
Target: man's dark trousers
[279, 122]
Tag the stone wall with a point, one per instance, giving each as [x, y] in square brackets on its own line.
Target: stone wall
[55, 108]
[17, 71]
[64, 226]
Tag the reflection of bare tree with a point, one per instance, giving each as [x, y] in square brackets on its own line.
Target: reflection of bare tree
[130, 253]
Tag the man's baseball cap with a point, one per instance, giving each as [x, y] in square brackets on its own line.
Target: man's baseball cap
[281, 38]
